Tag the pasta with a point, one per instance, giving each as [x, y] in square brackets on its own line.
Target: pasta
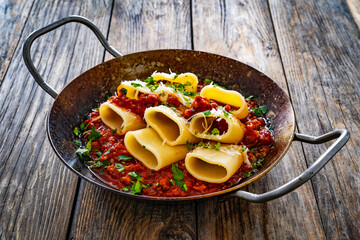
[172, 129]
[229, 97]
[172, 135]
[147, 146]
[201, 125]
[215, 165]
[120, 119]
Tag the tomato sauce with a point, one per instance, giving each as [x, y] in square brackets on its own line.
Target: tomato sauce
[107, 149]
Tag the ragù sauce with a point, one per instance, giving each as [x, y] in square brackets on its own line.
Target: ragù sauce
[110, 161]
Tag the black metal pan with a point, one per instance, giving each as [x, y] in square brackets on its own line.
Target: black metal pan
[87, 90]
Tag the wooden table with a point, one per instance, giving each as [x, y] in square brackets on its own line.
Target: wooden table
[310, 48]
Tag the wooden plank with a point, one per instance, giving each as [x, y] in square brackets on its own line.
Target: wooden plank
[320, 47]
[13, 15]
[101, 214]
[243, 30]
[354, 7]
[37, 191]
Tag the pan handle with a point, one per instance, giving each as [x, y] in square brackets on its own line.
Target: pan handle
[34, 35]
[342, 135]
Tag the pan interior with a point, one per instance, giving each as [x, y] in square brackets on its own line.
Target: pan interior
[88, 90]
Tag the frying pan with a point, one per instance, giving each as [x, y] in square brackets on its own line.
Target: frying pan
[87, 90]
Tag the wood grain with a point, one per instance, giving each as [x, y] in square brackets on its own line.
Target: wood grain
[138, 26]
[37, 191]
[320, 48]
[13, 15]
[244, 31]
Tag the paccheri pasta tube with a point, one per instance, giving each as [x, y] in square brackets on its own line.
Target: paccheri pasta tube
[147, 146]
[171, 128]
[119, 118]
[215, 166]
[133, 88]
[202, 123]
[189, 80]
[229, 97]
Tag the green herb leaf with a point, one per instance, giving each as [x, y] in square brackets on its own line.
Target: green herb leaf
[114, 131]
[189, 146]
[177, 173]
[108, 95]
[243, 149]
[107, 152]
[260, 111]
[99, 154]
[208, 81]
[215, 131]
[124, 157]
[150, 80]
[248, 174]
[82, 126]
[249, 98]
[172, 182]
[157, 184]
[83, 154]
[77, 142]
[196, 132]
[176, 76]
[124, 91]
[120, 168]
[218, 146]
[143, 146]
[271, 127]
[94, 134]
[105, 163]
[253, 150]
[126, 189]
[136, 188]
[207, 113]
[76, 132]
[135, 176]
[136, 84]
[88, 145]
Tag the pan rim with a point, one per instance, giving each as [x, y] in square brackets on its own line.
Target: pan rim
[187, 198]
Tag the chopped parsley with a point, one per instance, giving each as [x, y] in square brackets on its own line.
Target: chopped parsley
[88, 145]
[249, 98]
[143, 146]
[260, 111]
[77, 142]
[196, 132]
[99, 154]
[189, 146]
[135, 176]
[119, 167]
[215, 131]
[124, 157]
[178, 177]
[248, 174]
[243, 149]
[218, 146]
[94, 134]
[76, 132]
[108, 95]
[172, 182]
[136, 188]
[107, 152]
[208, 81]
[82, 127]
[114, 131]
[136, 84]
[83, 153]
[124, 91]
[126, 189]
[176, 76]
[207, 113]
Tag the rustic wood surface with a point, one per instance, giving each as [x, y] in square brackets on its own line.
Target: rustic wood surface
[310, 48]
